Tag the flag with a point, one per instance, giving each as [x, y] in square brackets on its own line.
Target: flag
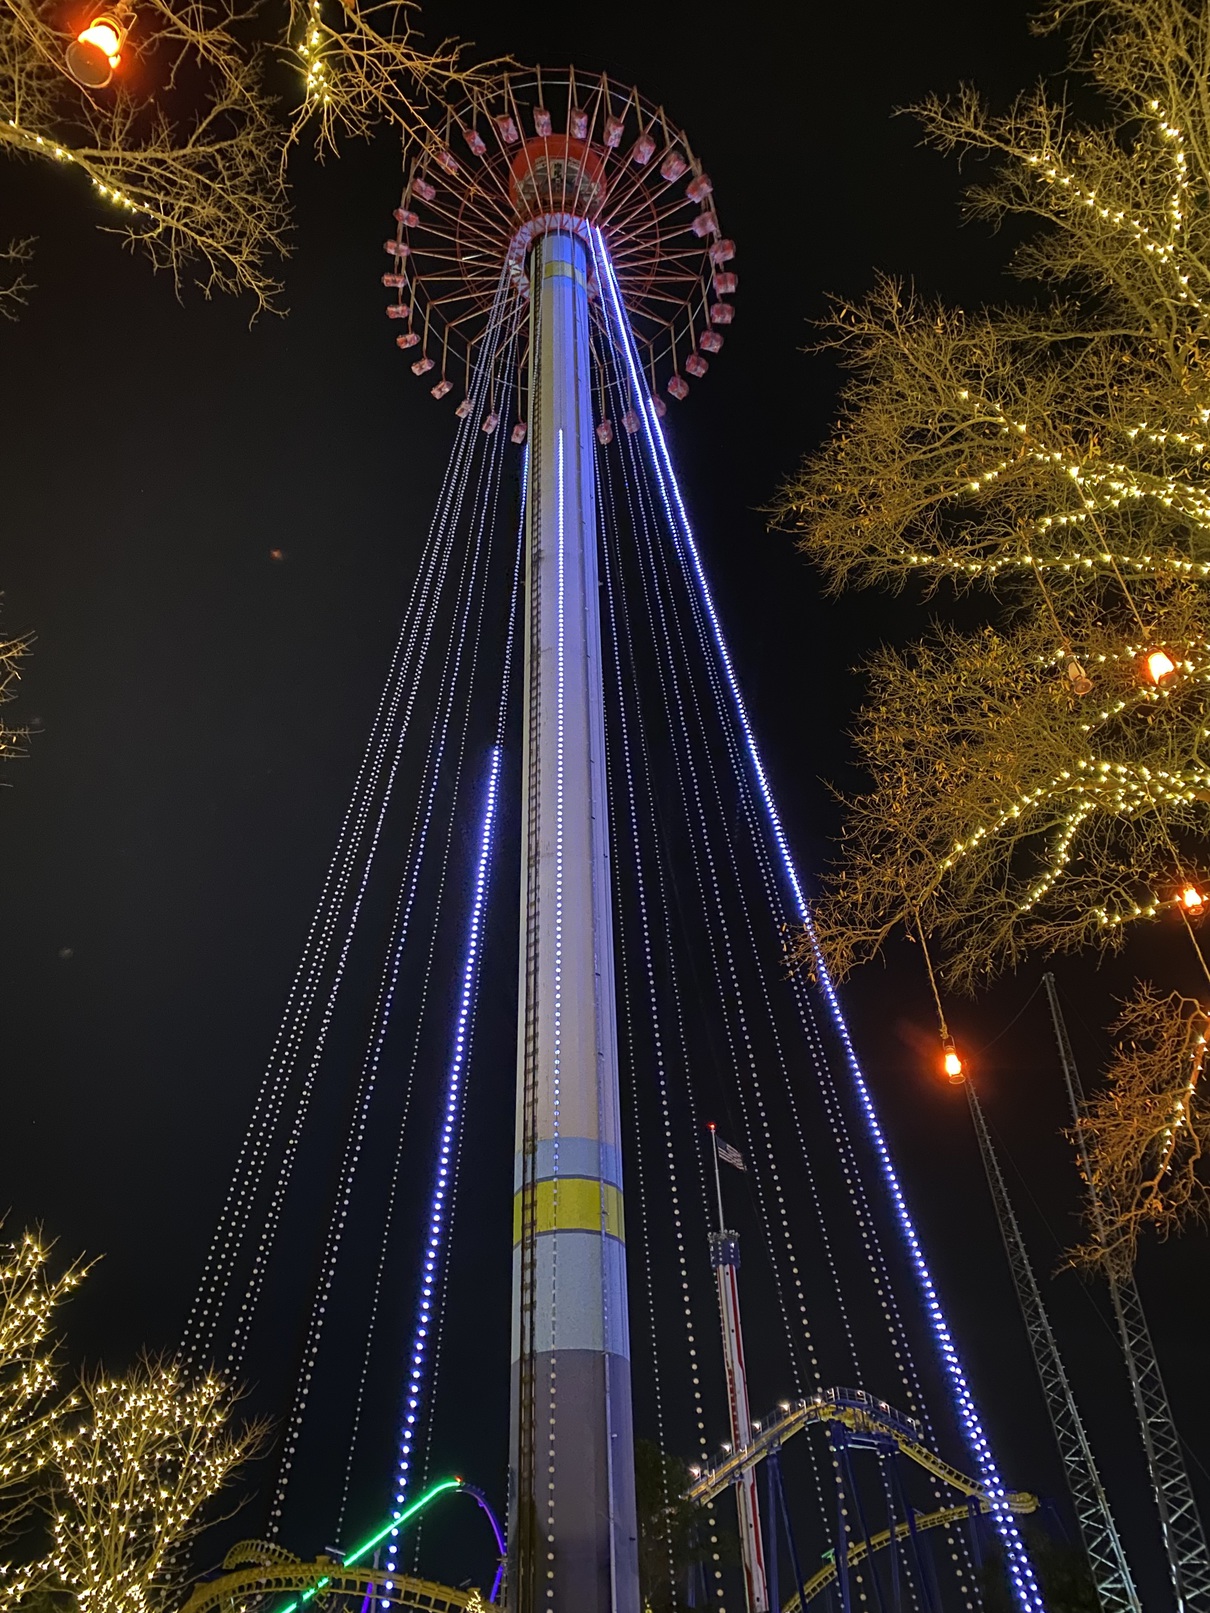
[729, 1155]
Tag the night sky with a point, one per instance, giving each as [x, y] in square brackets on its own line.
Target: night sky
[203, 705]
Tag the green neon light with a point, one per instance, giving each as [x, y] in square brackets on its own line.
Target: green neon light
[421, 1501]
[430, 1494]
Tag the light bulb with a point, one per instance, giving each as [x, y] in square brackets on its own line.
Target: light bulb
[1159, 666]
[96, 50]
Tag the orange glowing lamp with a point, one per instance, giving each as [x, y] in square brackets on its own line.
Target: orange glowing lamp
[1192, 900]
[951, 1063]
[1160, 666]
[96, 51]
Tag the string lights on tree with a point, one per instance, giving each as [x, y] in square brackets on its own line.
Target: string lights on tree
[168, 116]
[1148, 1130]
[1042, 781]
[134, 1477]
[195, 173]
[32, 1411]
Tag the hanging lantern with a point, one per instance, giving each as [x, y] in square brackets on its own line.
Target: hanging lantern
[96, 51]
[1191, 899]
[1159, 666]
[950, 1062]
[1081, 683]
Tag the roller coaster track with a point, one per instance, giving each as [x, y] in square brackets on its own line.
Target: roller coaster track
[862, 1413]
[258, 1569]
[861, 1549]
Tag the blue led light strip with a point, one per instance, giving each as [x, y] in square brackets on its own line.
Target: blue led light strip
[439, 1205]
[1020, 1570]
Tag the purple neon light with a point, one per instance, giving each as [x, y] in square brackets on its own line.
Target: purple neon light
[476, 1494]
[439, 1205]
[1020, 1569]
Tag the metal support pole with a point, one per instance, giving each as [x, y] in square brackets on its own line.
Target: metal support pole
[972, 1512]
[788, 1530]
[924, 1588]
[868, 1567]
[893, 1539]
[771, 1531]
[1180, 1522]
[573, 1544]
[836, 1436]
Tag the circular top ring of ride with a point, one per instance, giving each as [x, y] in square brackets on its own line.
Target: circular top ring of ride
[540, 150]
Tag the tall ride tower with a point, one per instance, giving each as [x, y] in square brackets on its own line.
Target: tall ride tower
[519, 224]
[572, 1468]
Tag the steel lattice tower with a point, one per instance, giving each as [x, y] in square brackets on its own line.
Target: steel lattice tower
[1098, 1530]
[1180, 1522]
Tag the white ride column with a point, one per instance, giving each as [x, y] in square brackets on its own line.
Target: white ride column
[572, 1529]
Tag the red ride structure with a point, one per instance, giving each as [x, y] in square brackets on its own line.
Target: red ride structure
[570, 153]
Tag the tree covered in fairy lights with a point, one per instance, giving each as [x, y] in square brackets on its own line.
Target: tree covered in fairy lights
[32, 1408]
[186, 144]
[133, 1477]
[1042, 780]
[102, 1490]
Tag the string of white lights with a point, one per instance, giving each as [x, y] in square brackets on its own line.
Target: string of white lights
[434, 774]
[268, 1224]
[672, 611]
[430, 1388]
[440, 1206]
[619, 635]
[701, 811]
[679, 601]
[655, 629]
[388, 1220]
[430, 1313]
[297, 1119]
[1020, 1569]
[225, 1242]
[410, 644]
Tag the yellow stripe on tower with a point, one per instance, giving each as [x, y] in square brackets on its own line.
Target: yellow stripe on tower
[559, 269]
[573, 1204]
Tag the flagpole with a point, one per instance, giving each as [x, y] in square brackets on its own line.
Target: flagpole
[718, 1185]
[724, 1257]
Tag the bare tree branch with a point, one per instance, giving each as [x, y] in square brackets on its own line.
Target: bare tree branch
[1147, 1132]
[184, 145]
[188, 145]
[14, 289]
[13, 652]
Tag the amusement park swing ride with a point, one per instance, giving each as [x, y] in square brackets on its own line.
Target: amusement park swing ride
[559, 270]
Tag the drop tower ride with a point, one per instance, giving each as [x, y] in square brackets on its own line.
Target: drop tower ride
[572, 1467]
[543, 218]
